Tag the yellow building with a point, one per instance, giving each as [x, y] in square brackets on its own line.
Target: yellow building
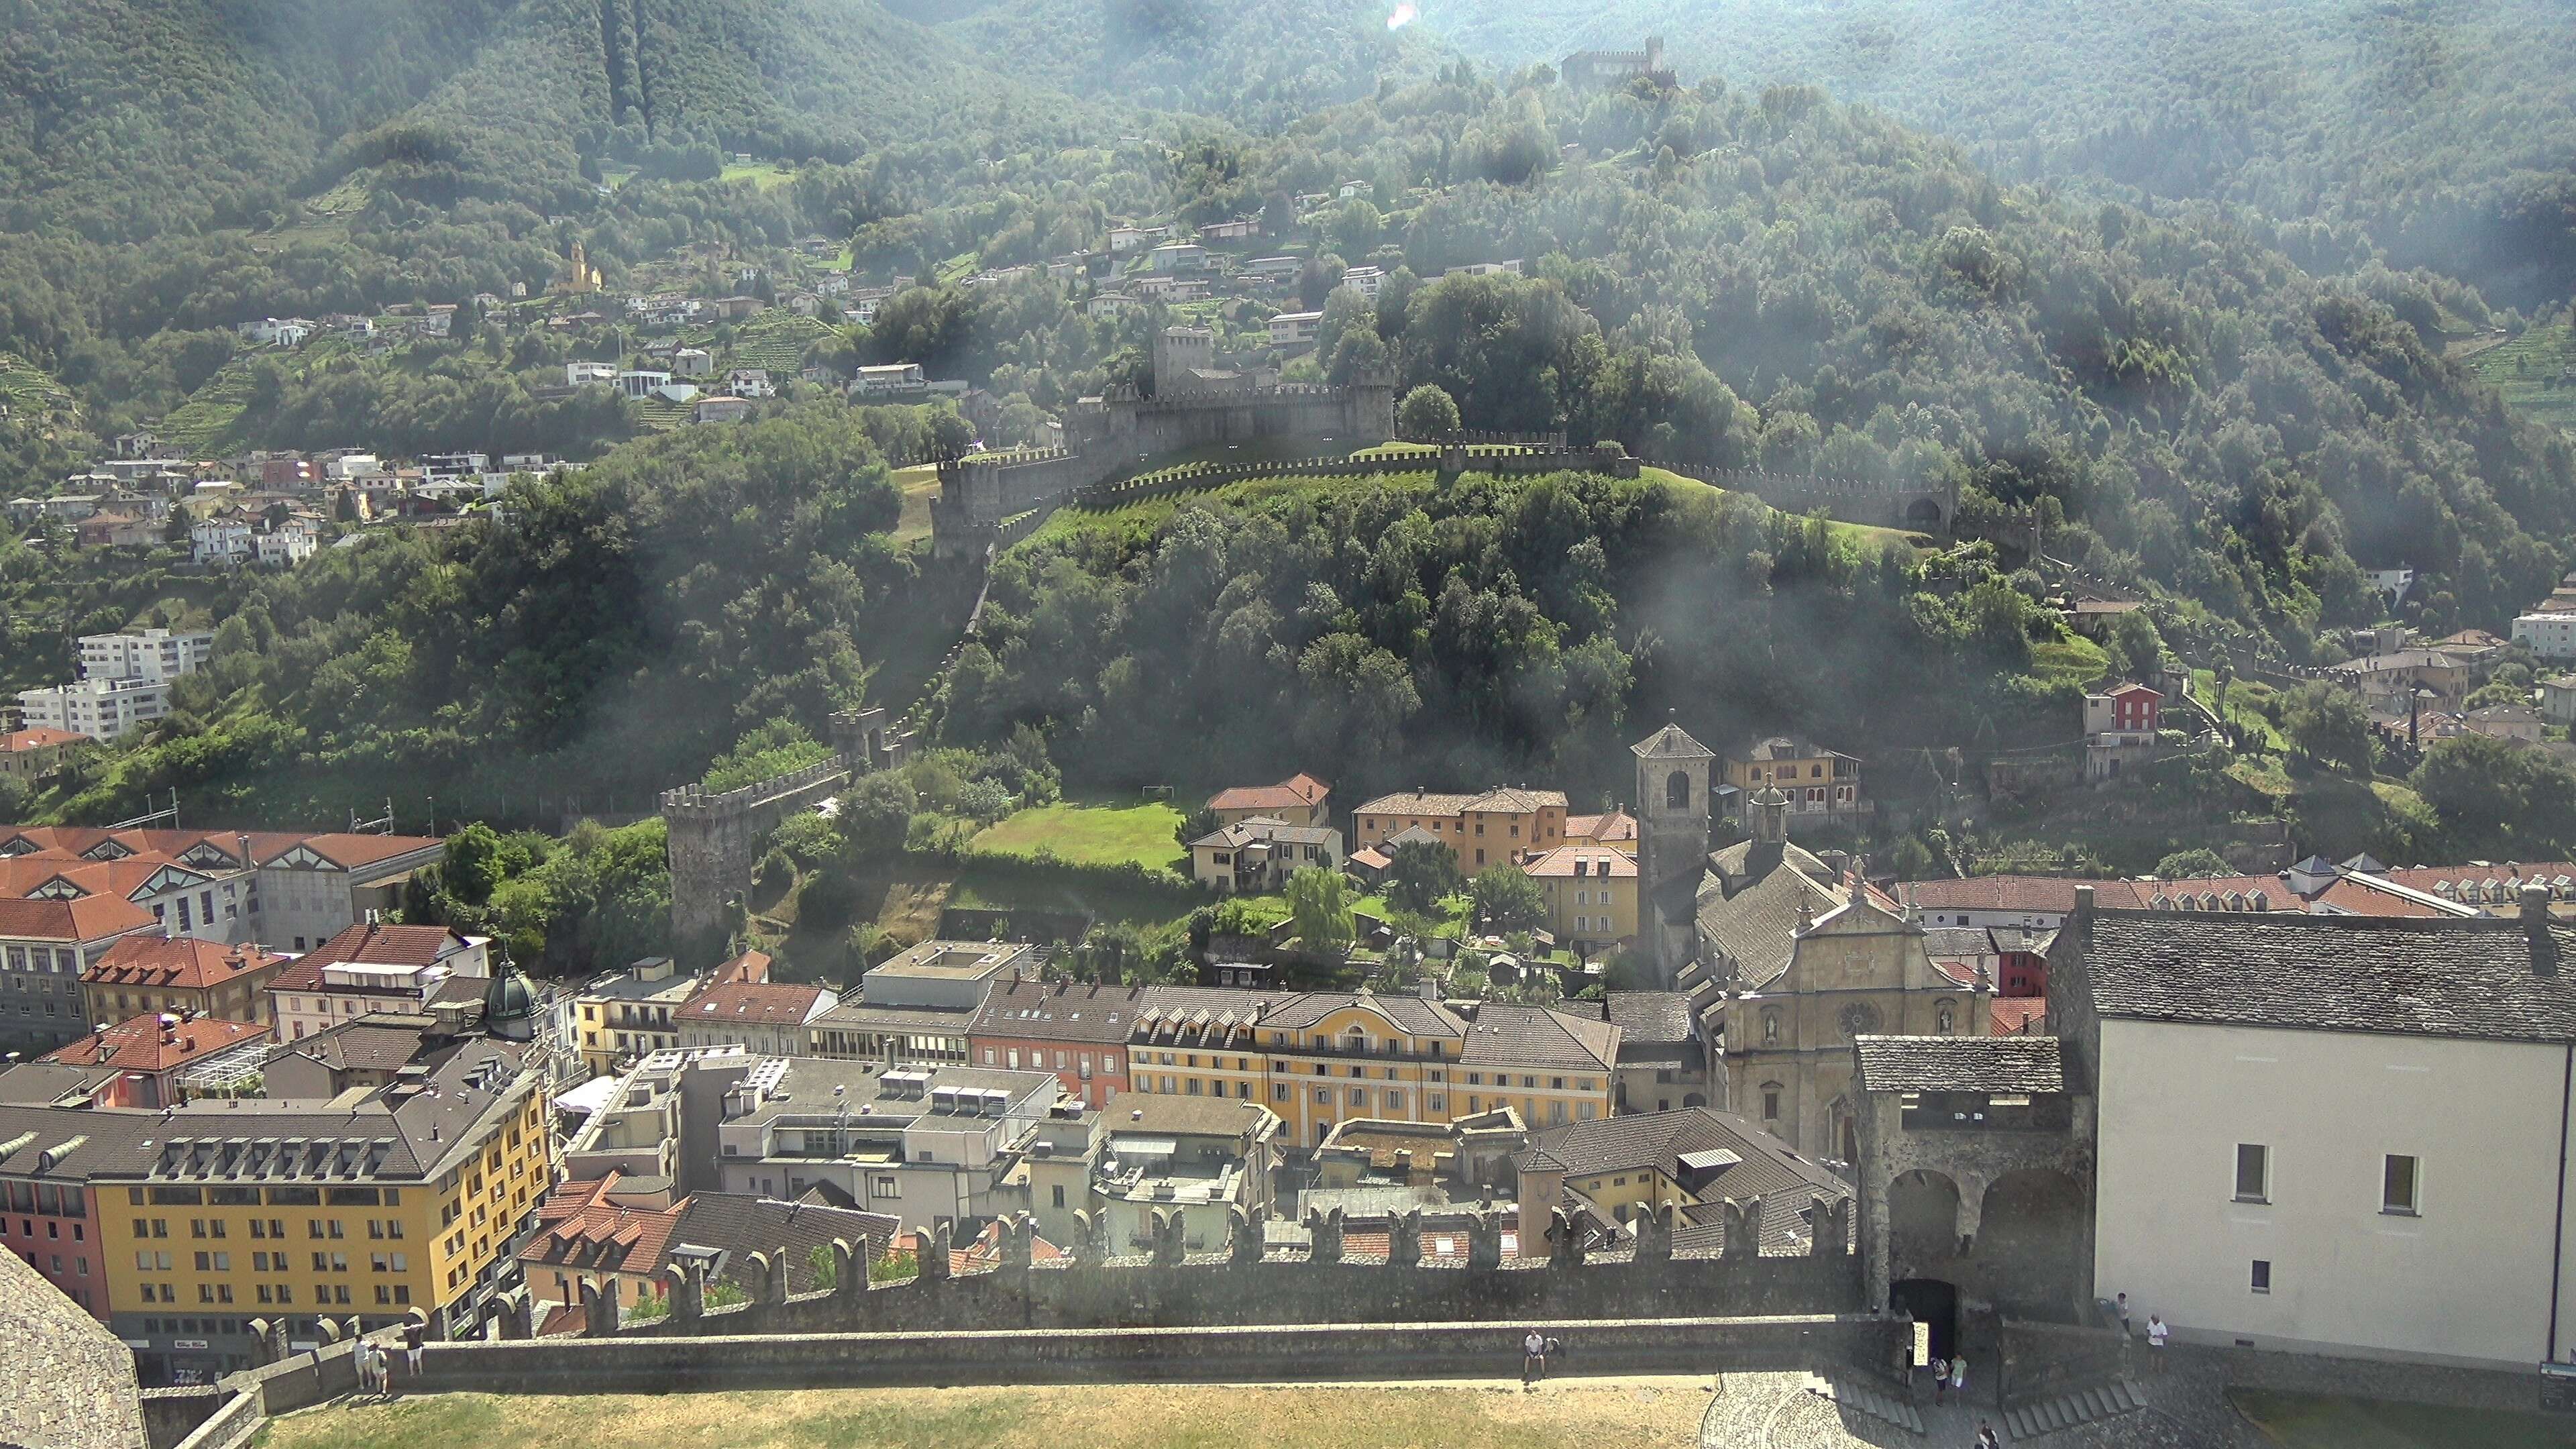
[628, 1015]
[1817, 781]
[1319, 1058]
[244, 1209]
[1498, 827]
[1591, 894]
[1616, 829]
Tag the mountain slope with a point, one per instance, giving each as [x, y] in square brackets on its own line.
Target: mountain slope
[2447, 128]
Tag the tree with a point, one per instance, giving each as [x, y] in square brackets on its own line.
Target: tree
[2499, 795]
[876, 812]
[1202, 822]
[2191, 864]
[1420, 874]
[1507, 900]
[1427, 412]
[472, 865]
[2329, 726]
[1319, 904]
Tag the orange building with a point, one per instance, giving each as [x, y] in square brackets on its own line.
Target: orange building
[1498, 827]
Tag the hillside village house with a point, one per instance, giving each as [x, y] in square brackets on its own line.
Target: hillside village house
[1259, 854]
[2120, 725]
[1495, 828]
[35, 754]
[376, 967]
[2330, 1133]
[1823, 786]
[1300, 799]
[1663, 1053]
[1295, 329]
[180, 974]
[1591, 895]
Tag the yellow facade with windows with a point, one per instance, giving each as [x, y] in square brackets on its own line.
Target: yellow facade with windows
[312, 1230]
[1390, 1059]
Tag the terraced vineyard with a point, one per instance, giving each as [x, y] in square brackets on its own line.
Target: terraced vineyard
[776, 339]
[2536, 372]
[210, 420]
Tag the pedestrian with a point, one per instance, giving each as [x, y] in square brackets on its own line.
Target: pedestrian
[1555, 1349]
[414, 1335]
[1940, 1380]
[2157, 1333]
[1959, 1375]
[1986, 1436]
[366, 1367]
[2124, 1315]
[1533, 1357]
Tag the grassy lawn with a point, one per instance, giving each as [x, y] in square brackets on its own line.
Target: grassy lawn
[919, 486]
[2304, 1421]
[764, 174]
[1100, 834]
[2078, 660]
[1576, 1414]
[1866, 535]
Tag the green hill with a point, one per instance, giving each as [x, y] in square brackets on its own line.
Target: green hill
[2439, 126]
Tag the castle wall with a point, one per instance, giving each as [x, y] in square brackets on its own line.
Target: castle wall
[714, 839]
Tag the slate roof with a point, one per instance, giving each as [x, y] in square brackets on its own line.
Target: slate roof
[381, 1041]
[2049, 894]
[1650, 1016]
[2475, 978]
[1960, 1064]
[1754, 857]
[1672, 742]
[1757, 926]
[1534, 1037]
[1056, 1011]
[1659, 1139]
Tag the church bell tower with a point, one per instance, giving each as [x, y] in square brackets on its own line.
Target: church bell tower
[1672, 844]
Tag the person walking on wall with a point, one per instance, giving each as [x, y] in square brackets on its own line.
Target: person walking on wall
[1533, 1358]
[414, 1335]
[1940, 1381]
[1986, 1436]
[1959, 1376]
[2123, 1308]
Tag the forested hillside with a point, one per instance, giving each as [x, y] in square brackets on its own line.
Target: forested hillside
[2438, 127]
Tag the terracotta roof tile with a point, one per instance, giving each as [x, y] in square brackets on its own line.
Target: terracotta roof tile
[142, 1044]
[89, 918]
[180, 962]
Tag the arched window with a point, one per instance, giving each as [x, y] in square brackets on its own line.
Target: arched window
[1945, 1018]
[1677, 790]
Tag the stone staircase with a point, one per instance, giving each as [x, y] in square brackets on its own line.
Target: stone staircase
[2066, 1412]
[1862, 1398]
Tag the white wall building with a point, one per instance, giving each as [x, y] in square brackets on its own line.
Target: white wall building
[155, 654]
[105, 709]
[2551, 636]
[2331, 1133]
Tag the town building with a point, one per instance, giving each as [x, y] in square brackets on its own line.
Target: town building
[723, 409]
[927, 1146]
[2548, 629]
[620, 1235]
[2388, 681]
[45, 946]
[1498, 827]
[1319, 1057]
[153, 1054]
[1614, 829]
[626, 1015]
[1693, 1160]
[364, 1052]
[1823, 786]
[1077, 1030]
[2517, 722]
[1301, 799]
[1201, 1156]
[917, 1008]
[763, 1017]
[1258, 854]
[1374, 1164]
[1663, 1056]
[376, 967]
[2282, 1097]
[1295, 329]
[286, 889]
[1591, 895]
[181, 975]
[658, 1120]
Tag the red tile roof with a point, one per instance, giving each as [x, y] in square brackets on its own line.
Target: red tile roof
[1297, 792]
[764, 1003]
[90, 918]
[180, 962]
[22, 874]
[1606, 829]
[2015, 1015]
[146, 1044]
[19, 741]
[370, 943]
[1599, 860]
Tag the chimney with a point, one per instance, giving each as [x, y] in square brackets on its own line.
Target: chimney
[2083, 917]
[2535, 925]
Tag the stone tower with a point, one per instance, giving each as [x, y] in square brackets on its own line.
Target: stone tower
[1178, 352]
[1672, 844]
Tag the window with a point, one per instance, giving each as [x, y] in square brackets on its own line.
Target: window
[1770, 1101]
[1279, 1091]
[2262, 1275]
[2253, 1172]
[884, 1187]
[2398, 1181]
[1059, 1194]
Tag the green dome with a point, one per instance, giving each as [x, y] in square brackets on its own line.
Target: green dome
[509, 1002]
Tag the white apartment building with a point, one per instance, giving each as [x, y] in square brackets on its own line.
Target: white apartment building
[1367, 281]
[2334, 1134]
[2551, 636]
[154, 654]
[1288, 329]
[291, 542]
[222, 541]
[103, 709]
